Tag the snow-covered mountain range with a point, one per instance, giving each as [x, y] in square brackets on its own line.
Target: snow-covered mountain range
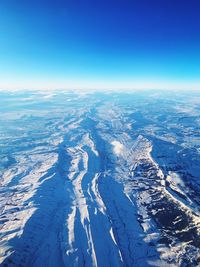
[100, 179]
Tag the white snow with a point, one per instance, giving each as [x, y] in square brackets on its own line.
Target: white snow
[117, 147]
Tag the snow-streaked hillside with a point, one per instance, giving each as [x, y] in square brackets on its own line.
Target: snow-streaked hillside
[100, 179]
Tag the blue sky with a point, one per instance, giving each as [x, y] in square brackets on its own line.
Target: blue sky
[138, 43]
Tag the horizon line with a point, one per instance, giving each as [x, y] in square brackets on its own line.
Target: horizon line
[49, 85]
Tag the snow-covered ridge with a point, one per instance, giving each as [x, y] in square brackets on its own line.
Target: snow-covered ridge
[102, 184]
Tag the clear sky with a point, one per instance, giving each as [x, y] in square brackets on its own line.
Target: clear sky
[97, 43]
